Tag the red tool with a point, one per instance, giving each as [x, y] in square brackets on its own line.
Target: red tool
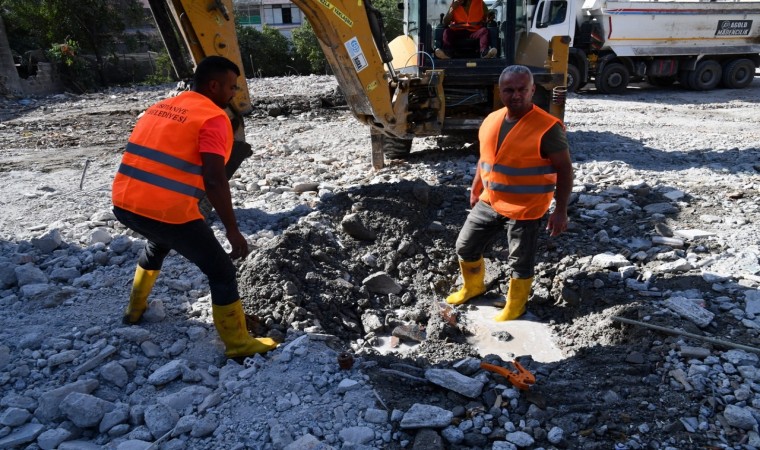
[522, 379]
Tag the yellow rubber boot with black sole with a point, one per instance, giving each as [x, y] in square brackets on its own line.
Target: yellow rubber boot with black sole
[138, 298]
[517, 297]
[229, 321]
[474, 275]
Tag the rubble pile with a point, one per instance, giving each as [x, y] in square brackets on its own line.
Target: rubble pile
[653, 292]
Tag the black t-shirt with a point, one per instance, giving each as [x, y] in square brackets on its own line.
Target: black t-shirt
[553, 140]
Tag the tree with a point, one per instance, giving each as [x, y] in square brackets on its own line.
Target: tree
[306, 46]
[93, 25]
[265, 53]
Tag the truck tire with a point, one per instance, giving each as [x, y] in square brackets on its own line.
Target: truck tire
[738, 73]
[705, 76]
[574, 82]
[661, 81]
[613, 79]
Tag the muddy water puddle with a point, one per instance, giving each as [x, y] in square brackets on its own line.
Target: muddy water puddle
[524, 336]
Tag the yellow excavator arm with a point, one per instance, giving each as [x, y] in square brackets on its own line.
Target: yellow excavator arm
[202, 28]
[396, 104]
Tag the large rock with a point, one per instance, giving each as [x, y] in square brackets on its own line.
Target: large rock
[455, 381]
[381, 283]
[426, 416]
[24, 435]
[49, 402]
[29, 274]
[48, 241]
[166, 373]
[85, 410]
[690, 310]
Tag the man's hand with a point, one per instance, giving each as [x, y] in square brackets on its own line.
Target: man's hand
[238, 243]
[557, 222]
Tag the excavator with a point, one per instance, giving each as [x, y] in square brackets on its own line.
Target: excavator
[398, 88]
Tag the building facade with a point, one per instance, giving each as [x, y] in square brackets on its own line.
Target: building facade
[278, 14]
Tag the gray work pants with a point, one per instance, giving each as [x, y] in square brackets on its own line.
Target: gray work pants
[483, 226]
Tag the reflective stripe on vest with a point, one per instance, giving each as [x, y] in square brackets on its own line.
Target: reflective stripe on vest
[163, 158]
[162, 182]
[471, 20]
[517, 181]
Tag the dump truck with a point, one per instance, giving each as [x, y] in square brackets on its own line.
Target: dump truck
[395, 88]
[701, 45]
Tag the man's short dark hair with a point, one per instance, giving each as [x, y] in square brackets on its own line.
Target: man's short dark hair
[211, 68]
[517, 70]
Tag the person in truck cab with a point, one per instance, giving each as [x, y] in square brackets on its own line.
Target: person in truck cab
[465, 19]
[174, 157]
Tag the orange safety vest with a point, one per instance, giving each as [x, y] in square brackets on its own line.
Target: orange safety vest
[471, 20]
[517, 181]
[160, 174]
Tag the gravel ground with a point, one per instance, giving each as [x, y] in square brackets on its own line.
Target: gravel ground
[664, 232]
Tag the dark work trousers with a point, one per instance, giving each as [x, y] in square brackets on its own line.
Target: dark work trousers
[193, 240]
[483, 226]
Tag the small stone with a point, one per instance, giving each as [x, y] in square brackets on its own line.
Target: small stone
[166, 373]
[115, 373]
[381, 283]
[100, 236]
[51, 439]
[354, 227]
[156, 312]
[13, 417]
[204, 427]
[739, 417]
[160, 419]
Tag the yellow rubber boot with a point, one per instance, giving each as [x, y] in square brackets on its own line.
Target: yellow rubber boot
[138, 298]
[517, 297]
[229, 321]
[474, 274]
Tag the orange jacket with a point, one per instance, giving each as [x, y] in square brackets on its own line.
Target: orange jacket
[517, 181]
[160, 173]
[471, 20]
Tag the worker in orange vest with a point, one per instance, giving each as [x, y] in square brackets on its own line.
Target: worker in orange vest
[466, 19]
[524, 165]
[175, 156]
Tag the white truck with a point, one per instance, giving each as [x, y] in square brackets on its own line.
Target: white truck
[700, 44]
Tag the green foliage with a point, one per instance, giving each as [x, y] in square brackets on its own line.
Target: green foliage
[306, 48]
[265, 53]
[393, 18]
[74, 70]
[163, 72]
[96, 25]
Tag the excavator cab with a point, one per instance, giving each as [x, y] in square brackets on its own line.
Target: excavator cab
[470, 83]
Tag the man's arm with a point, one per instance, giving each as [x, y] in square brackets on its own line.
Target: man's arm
[477, 187]
[561, 163]
[218, 192]
[450, 13]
